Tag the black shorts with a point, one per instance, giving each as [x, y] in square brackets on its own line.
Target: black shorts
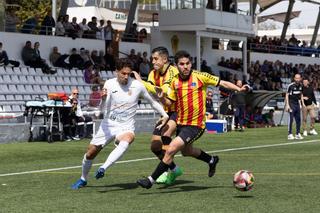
[172, 116]
[189, 134]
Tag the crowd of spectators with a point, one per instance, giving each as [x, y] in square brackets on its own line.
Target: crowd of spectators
[291, 46]
[93, 29]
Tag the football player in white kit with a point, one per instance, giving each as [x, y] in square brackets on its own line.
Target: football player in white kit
[121, 95]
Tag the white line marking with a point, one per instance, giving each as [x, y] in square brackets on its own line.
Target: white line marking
[153, 158]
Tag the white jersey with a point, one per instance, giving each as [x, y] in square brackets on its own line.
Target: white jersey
[122, 101]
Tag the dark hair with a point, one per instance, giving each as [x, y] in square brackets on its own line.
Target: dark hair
[123, 62]
[161, 50]
[181, 54]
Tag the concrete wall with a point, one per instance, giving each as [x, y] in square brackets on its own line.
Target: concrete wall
[14, 42]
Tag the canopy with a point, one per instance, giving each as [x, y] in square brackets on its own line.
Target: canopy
[280, 17]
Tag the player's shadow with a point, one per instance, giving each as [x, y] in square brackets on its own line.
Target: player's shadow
[179, 187]
[116, 187]
[243, 196]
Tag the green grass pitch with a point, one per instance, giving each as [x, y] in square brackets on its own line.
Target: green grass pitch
[287, 177]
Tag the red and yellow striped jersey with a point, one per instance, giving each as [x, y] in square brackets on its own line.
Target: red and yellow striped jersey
[190, 97]
[163, 80]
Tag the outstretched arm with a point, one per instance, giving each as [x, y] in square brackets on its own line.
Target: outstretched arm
[231, 86]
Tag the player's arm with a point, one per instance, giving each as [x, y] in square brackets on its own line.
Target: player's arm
[164, 116]
[105, 99]
[288, 109]
[149, 85]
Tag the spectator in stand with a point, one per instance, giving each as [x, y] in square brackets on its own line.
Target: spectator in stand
[39, 62]
[95, 97]
[47, 24]
[144, 67]
[92, 75]
[100, 32]
[293, 41]
[268, 118]
[109, 35]
[74, 32]
[54, 56]
[11, 21]
[93, 27]
[60, 31]
[110, 60]
[205, 67]
[210, 114]
[75, 60]
[142, 35]
[30, 24]
[222, 62]
[27, 54]
[97, 60]
[84, 29]
[133, 33]
[133, 59]
[67, 26]
[4, 60]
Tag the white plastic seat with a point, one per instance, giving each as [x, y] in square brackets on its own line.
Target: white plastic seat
[23, 79]
[73, 73]
[36, 89]
[44, 89]
[9, 71]
[7, 108]
[30, 79]
[16, 108]
[7, 79]
[13, 88]
[52, 88]
[59, 88]
[17, 70]
[45, 79]
[60, 72]
[10, 98]
[15, 79]
[21, 89]
[29, 89]
[27, 98]
[67, 89]
[74, 80]
[67, 80]
[24, 71]
[38, 79]
[19, 97]
[87, 89]
[38, 71]
[2, 71]
[2, 97]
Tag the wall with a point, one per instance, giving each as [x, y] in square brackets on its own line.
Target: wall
[14, 42]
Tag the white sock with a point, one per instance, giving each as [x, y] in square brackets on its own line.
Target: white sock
[86, 166]
[151, 179]
[116, 154]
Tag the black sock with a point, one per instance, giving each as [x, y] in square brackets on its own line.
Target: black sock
[166, 140]
[172, 165]
[204, 157]
[161, 168]
[159, 154]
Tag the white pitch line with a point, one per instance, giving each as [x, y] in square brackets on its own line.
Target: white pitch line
[153, 158]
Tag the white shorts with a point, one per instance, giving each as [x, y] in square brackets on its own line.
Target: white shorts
[109, 131]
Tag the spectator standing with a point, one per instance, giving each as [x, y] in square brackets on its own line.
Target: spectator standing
[93, 27]
[47, 24]
[60, 31]
[84, 29]
[108, 36]
[30, 24]
[239, 103]
[11, 21]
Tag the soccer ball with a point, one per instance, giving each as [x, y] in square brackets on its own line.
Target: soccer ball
[243, 180]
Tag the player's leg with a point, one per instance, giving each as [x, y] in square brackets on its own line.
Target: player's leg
[88, 157]
[103, 137]
[297, 117]
[312, 120]
[290, 121]
[304, 120]
[175, 146]
[125, 139]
